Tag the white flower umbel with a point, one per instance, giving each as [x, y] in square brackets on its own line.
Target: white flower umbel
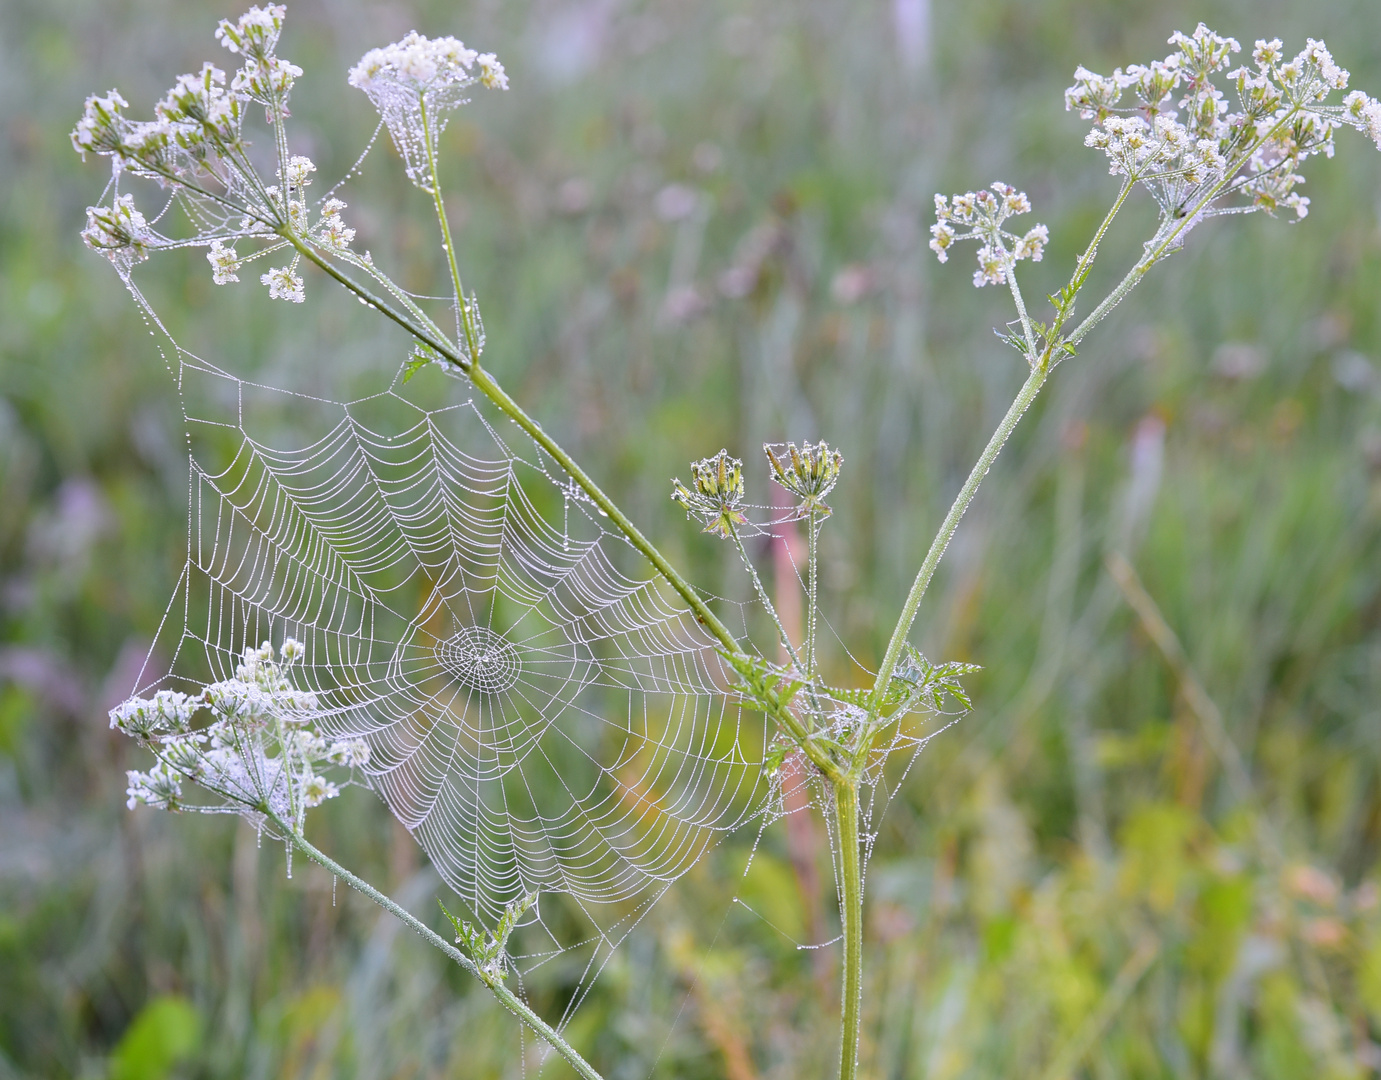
[283, 284]
[265, 77]
[224, 263]
[248, 745]
[120, 233]
[331, 231]
[1201, 154]
[414, 83]
[981, 216]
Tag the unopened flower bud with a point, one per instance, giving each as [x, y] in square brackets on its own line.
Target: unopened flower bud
[715, 494]
[809, 472]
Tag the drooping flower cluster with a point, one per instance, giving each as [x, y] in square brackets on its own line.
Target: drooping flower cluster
[809, 472]
[981, 216]
[198, 124]
[1193, 148]
[414, 82]
[715, 494]
[249, 743]
[195, 149]
[119, 232]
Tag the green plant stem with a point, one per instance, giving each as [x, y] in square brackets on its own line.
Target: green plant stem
[462, 310]
[762, 595]
[812, 590]
[492, 390]
[1023, 400]
[486, 384]
[851, 916]
[1027, 331]
[507, 997]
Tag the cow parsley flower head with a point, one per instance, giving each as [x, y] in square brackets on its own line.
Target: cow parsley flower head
[298, 173]
[808, 472]
[331, 231]
[264, 76]
[982, 216]
[224, 263]
[492, 74]
[414, 83]
[283, 284]
[255, 33]
[1203, 148]
[248, 744]
[101, 128]
[119, 232]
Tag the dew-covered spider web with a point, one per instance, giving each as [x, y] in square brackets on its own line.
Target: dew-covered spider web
[542, 714]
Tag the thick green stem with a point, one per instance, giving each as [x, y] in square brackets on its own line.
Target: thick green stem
[1027, 394]
[485, 383]
[851, 916]
[507, 997]
[492, 390]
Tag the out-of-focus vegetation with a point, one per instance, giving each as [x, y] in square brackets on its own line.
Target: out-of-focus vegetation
[696, 225]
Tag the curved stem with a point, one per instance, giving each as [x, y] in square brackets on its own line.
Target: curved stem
[812, 590]
[462, 310]
[507, 997]
[851, 916]
[1027, 331]
[485, 383]
[492, 390]
[1023, 400]
[766, 600]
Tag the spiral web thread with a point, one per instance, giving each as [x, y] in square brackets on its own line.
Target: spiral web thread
[539, 717]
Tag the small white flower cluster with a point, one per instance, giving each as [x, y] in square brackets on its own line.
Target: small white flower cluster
[1196, 149]
[119, 232]
[225, 264]
[284, 283]
[264, 78]
[255, 33]
[257, 752]
[194, 146]
[199, 107]
[199, 121]
[332, 232]
[981, 215]
[414, 82]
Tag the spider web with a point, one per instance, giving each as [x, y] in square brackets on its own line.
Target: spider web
[542, 714]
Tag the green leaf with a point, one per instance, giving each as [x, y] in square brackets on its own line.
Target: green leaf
[467, 936]
[422, 355]
[166, 1032]
[765, 688]
[512, 912]
[930, 685]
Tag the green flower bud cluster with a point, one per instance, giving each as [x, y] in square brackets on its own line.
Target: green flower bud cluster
[809, 472]
[715, 493]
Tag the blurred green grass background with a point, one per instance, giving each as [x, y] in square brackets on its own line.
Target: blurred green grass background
[695, 225]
